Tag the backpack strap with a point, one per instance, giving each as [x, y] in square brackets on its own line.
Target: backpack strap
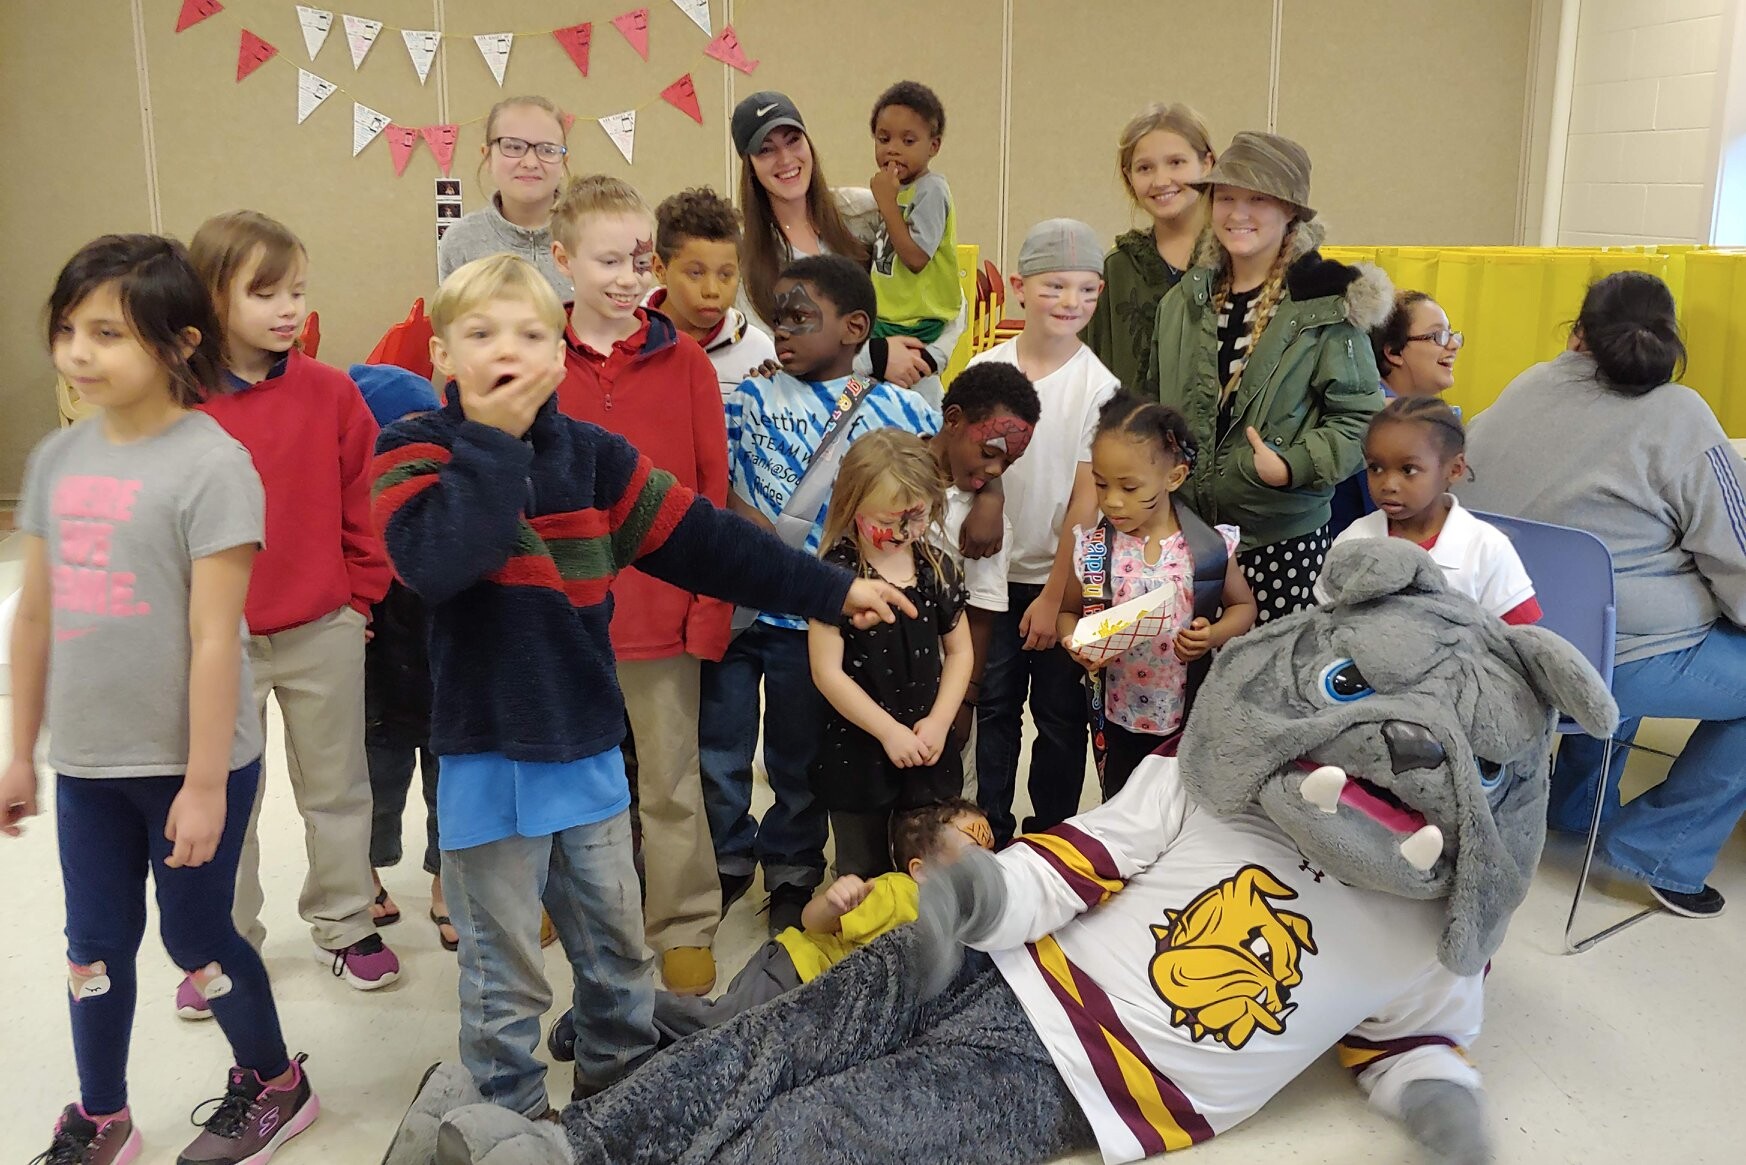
[1206, 549]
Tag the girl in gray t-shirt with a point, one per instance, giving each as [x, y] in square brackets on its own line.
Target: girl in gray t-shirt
[141, 525]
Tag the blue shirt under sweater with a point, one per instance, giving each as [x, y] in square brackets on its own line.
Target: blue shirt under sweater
[774, 425]
[485, 796]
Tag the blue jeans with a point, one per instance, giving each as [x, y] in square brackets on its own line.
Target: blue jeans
[789, 842]
[1059, 710]
[111, 832]
[1670, 836]
[589, 884]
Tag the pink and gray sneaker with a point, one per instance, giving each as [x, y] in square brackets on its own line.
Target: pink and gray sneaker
[191, 1002]
[367, 964]
[252, 1121]
[79, 1140]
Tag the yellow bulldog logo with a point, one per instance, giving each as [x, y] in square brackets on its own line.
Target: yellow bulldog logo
[1227, 962]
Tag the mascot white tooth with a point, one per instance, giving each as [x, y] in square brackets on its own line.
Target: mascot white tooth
[1358, 807]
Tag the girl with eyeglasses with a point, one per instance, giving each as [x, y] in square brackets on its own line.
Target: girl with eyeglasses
[1415, 347]
[527, 155]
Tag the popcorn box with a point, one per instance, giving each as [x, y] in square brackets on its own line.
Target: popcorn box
[1109, 633]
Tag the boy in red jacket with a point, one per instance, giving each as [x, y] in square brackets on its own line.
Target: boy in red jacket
[630, 370]
[311, 437]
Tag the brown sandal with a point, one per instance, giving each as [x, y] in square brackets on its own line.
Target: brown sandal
[442, 920]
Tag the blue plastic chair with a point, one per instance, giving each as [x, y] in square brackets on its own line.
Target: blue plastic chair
[1572, 572]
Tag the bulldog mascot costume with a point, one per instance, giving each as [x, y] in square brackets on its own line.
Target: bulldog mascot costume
[1358, 806]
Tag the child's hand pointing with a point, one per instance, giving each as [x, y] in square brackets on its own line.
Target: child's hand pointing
[872, 601]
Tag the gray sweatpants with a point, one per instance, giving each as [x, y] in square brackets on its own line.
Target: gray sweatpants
[851, 1069]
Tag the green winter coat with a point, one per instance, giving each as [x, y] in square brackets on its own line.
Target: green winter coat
[1135, 278]
[1309, 388]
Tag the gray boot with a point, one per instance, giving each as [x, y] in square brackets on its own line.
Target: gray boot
[445, 1087]
[485, 1134]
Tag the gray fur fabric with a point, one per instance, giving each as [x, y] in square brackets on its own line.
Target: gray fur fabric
[1450, 715]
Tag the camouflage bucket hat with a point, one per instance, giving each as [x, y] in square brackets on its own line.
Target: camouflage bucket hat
[1266, 163]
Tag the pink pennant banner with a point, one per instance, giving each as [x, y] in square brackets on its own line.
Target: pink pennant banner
[576, 40]
[569, 119]
[726, 48]
[194, 11]
[441, 140]
[252, 54]
[635, 26]
[682, 95]
[402, 140]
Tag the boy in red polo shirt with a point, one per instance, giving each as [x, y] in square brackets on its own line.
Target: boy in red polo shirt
[630, 370]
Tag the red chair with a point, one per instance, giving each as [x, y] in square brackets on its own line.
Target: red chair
[406, 344]
[1004, 327]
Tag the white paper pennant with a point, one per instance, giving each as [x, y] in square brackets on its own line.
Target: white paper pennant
[311, 92]
[366, 124]
[622, 129]
[316, 23]
[421, 46]
[698, 11]
[494, 46]
[360, 35]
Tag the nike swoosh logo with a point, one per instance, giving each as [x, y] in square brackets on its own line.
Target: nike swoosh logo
[763, 111]
[74, 633]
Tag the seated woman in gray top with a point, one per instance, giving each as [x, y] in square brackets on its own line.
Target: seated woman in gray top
[1601, 439]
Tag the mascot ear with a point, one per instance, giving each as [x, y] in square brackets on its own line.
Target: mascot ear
[1561, 677]
[1370, 568]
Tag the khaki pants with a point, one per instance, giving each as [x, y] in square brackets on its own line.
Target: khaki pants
[317, 671]
[683, 901]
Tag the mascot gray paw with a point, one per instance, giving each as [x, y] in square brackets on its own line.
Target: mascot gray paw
[1445, 1117]
[959, 905]
[484, 1134]
[445, 1087]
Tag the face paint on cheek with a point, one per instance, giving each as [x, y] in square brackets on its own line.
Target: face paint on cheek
[978, 831]
[643, 256]
[909, 528]
[798, 311]
[1006, 433]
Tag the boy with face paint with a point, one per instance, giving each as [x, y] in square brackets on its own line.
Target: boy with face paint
[990, 417]
[826, 307]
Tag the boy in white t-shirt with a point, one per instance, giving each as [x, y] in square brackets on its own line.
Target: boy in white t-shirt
[1060, 275]
[1414, 450]
[989, 420]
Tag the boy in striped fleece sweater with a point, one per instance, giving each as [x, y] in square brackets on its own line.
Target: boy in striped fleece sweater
[510, 520]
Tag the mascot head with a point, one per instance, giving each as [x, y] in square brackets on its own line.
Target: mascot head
[1400, 735]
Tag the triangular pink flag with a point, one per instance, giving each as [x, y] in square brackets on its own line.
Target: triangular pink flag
[194, 11]
[402, 140]
[726, 49]
[569, 119]
[252, 54]
[682, 95]
[635, 26]
[441, 140]
[576, 40]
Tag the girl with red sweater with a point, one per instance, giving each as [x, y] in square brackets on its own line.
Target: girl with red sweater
[311, 437]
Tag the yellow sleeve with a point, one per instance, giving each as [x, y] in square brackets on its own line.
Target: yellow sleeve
[891, 903]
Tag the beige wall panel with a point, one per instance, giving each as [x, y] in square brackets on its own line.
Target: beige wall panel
[1412, 114]
[672, 151]
[225, 145]
[1081, 71]
[835, 58]
[76, 170]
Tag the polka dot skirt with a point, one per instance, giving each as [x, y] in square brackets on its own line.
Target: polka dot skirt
[1283, 575]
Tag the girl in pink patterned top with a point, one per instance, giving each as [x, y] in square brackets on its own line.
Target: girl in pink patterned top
[1141, 455]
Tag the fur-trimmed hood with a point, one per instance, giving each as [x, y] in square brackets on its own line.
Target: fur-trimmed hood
[1368, 292]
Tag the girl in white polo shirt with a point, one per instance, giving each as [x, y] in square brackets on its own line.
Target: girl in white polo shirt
[1414, 450]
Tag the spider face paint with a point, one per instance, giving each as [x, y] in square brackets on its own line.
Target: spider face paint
[807, 331]
[1004, 432]
[901, 529]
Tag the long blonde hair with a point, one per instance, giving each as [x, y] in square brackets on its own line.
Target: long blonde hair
[1266, 304]
[1176, 118]
[886, 462]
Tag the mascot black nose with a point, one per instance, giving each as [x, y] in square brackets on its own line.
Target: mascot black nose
[1411, 747]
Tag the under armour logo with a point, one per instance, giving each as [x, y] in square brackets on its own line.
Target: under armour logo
[1305, 867]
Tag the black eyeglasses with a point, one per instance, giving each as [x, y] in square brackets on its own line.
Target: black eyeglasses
[1443, 338]
[518, 148]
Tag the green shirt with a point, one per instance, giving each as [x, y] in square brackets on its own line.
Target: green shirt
[933, 293]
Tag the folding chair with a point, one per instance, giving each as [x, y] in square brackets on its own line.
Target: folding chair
[1003, 328]
[1572, 572]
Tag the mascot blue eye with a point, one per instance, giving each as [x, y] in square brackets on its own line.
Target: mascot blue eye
[1342, 682]
[1490, 774]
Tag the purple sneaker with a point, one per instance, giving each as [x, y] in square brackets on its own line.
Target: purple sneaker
[79, 1140]
[252, 1120]
[367, 964]
[191, 1002]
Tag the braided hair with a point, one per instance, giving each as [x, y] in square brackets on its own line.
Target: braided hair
[1272, 295]
[1159, 425]
[1444, 422]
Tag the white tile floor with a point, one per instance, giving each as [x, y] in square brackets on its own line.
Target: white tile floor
[1629, 1053]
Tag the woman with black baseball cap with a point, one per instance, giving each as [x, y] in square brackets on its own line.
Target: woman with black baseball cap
[791, 211]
